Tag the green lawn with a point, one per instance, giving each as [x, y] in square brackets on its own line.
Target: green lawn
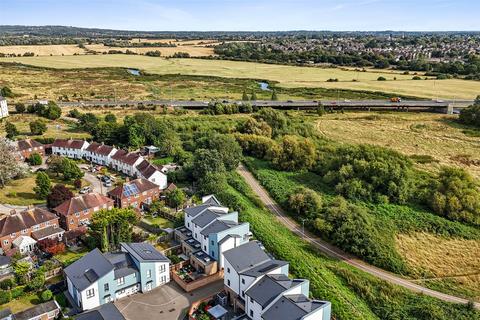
[22, 303]
[68, 257]
[162, 161]
[162, 222]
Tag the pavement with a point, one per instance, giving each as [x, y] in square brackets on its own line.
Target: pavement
[335, 252]
[168, 302]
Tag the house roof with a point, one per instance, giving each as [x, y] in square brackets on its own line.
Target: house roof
[122, 263]
[88, 269]
[144, 252]
[106, 311]
[269, 287]
[264, 268]
[38, 310]
[28, 144]
[195, 211]
[126, 157]
[237, 257]
[211, 200]
[5, 312]
[23, 241]
[4, 260]
[71, 144]
[171, 187]
[147, 170]
[46, 232]
[83, 202]
[100, 148]
[207, 217]
[218, 226]
[291, 307]
[133, 187]
[23, 220]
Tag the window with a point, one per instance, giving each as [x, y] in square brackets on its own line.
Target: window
[77, 214]
[162, 268]
[71, 221]
[105, 287]
[243, 281]
[13, 235]
[36, 227]
[90, 293]
[24, 231]
[228, 270]
[251, 300]
[251, 313]
[228, 283]
[149, 273]
[243, 293]
[121, 281]
[6, 242]
[52, 314]
[212, 242]
[213, 254]
[204, 248]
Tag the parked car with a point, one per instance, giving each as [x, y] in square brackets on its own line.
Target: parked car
[85, 190]
[107, 183]
[105, 179]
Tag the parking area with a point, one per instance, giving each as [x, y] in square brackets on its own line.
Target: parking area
[167, 302]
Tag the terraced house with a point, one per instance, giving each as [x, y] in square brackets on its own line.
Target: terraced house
[98, 278]
[78, 211]
[23, 229]
[27, 147]
[100, 153]
[69, 148]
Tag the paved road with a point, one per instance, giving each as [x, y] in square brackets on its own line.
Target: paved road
[290, 104]
[333, 251]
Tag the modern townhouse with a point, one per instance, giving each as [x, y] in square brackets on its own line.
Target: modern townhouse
[138, 193]
[153, 174]
[259, 284]
[3, 107]
[27, 147]
[78, 211]
[98, 278]
[99, 153]
[210, 230]
[74, 149]
[18, 229]
[126, 162]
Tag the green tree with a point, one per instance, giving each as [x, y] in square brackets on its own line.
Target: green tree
[305, 203]
[6, 92]
[110, 227]
[43, 185]
[274, 96]
[294, 153]
[477, 101]
[5, 296]
[175, 198]
[245, 96]
[275, 119]
[70, 170]
[110, 117]
[254, 96]
[37, 281]
[35, 159]
[88, 121]
[21, 269]
[320, 109]
[10, 168]
[207, 161]
[46, 295]
[20, 108]
[228, 149]
[55, 164]
[259, 128]
[52, 111]
[11, 130]
[38, 127]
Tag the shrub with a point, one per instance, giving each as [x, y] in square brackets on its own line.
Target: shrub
[7, 284]
[35, 159]
[381, 78]
[38, 127]
[5, 296]
[294, 153]
[305, 203]
[77, 183]
[46, 295]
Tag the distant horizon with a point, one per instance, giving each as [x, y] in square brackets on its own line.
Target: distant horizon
[247, 15]
[253, 31]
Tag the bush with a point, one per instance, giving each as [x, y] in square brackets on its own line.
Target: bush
[77, 183]
[5, 296]
[294, 153]
[20, 108]
[381, 78]
[7, 284]
[38, 127]
[305, 203]
[471, 115]
[367, 173]
[46, 295]
[35, 159]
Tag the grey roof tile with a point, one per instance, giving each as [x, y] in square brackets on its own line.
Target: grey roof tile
[253, 250]
[144, 252]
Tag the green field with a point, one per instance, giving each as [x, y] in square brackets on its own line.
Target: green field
[286, 76]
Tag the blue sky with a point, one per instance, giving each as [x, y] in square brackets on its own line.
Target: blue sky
[407, 15]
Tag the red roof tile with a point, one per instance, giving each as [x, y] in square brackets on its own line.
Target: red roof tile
[17, 222]
[83, 202]
[27, 144]
[141, 184]
[71, 144]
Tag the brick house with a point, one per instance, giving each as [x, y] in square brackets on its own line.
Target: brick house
[69, 148]
[78, 211]
[24, 223]
[27, 147]
[136, 194]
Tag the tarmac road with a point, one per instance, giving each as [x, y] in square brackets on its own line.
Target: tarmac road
[333, 251]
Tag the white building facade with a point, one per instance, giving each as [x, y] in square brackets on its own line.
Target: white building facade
[3, 107]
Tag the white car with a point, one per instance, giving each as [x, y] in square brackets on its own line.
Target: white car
[85, 190]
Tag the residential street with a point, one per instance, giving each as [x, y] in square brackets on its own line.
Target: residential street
[334, 252]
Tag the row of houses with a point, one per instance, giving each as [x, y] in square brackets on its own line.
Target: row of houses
[22, 230]
[129, 163]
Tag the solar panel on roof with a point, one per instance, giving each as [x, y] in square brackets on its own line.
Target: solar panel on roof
[130, 189]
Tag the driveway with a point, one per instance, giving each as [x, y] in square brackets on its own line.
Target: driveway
[167, 302]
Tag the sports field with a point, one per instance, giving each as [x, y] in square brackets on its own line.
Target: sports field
[287, 76]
